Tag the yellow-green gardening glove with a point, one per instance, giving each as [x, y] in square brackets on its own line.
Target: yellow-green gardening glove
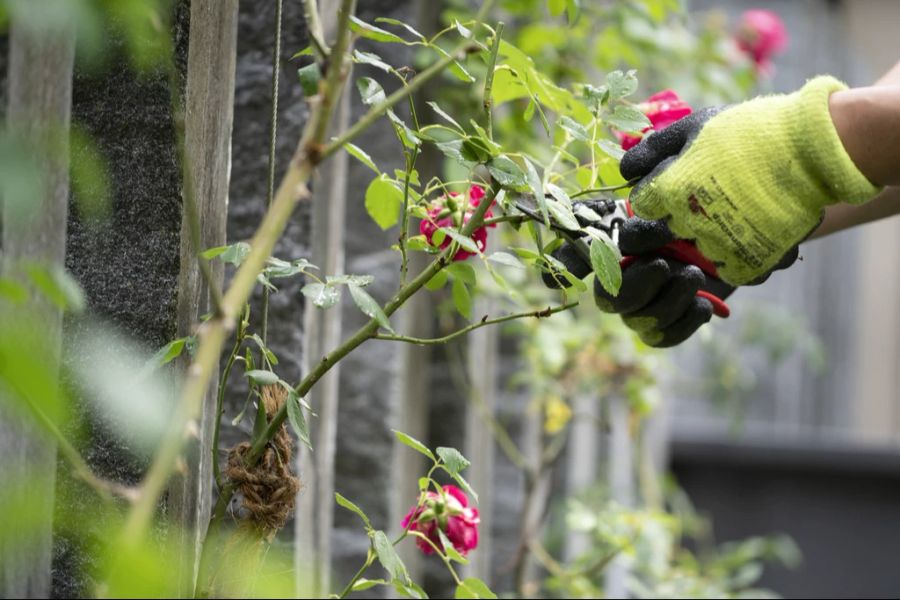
[748, 182]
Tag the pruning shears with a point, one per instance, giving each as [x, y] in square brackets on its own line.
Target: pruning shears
[607, 215]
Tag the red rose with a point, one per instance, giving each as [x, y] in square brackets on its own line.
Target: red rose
[448, 511]
[442, 213]
[662, 108]
[761, 34]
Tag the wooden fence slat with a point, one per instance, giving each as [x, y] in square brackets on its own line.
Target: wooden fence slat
[40, 102]
[209, 115]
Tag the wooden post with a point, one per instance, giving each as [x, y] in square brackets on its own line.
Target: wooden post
[209, 111]
[620, 473]
[483, 349]
[581, 464]
[411, 413]
[40, 101]
[315, 505]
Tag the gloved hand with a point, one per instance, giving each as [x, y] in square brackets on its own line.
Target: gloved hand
[658, 295]
[747, 183]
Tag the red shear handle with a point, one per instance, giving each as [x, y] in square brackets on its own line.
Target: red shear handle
[687, 252]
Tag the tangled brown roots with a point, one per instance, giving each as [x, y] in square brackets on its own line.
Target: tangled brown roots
[269, 487]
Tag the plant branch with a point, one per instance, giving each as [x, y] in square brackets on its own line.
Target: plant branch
[544, 312]
[370, 558]
[220, 402]
[213, 333]
[380, 109]
[608, 188]
[489, 81]
[364, 333]
[314, 27]
[105, 489]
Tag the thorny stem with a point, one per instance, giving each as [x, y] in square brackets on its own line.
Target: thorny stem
[516, 219]
[380, 109]
[220, 400]
[608, 188]
[314, 27]
[443, 556]
[370, 558]
[366, 332]
[544, 312]
[404, 216]
[105, 489]
[489, 81]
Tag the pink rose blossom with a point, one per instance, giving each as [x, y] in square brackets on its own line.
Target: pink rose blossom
[450, 512]
[662, 108]
[441, 214]
[761, 34]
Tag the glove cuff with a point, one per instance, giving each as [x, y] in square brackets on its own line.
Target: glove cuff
[819, 144]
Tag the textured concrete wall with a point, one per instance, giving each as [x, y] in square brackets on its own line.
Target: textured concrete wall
[128, 265]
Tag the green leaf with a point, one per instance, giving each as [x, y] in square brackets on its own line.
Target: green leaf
[399, 23]
[383, 201]
[628, 119]
[506, 171]
[562, 214]
[556, 7]
[407, 135]
[453, 459]
[462, 300]
[452, 149]
[605, 259]
[611, 149]
[370, 91]
[236, 253]
[434, 106]
[369, 306]
[413, 443]
[388, 557]
[472, 587]
[309, 77]
[57, 286]
[369, 58]
[261, 421]
[371, 32]
[364, 584]
[621, 84]
[297, 419]
[438, 281]
[308, 51]
[575, 129]
[462, 271]
[262, 377]
[360, 280]
[167, 353]
[353, 508]
[456, 69]
[322, 296]
[465, 242]
[573, 10]
[505, 259]
[475, 149]
[463, 31]
[537, 188]
[410, 590]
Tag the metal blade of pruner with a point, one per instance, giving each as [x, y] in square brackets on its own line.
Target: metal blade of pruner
[603, 214]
